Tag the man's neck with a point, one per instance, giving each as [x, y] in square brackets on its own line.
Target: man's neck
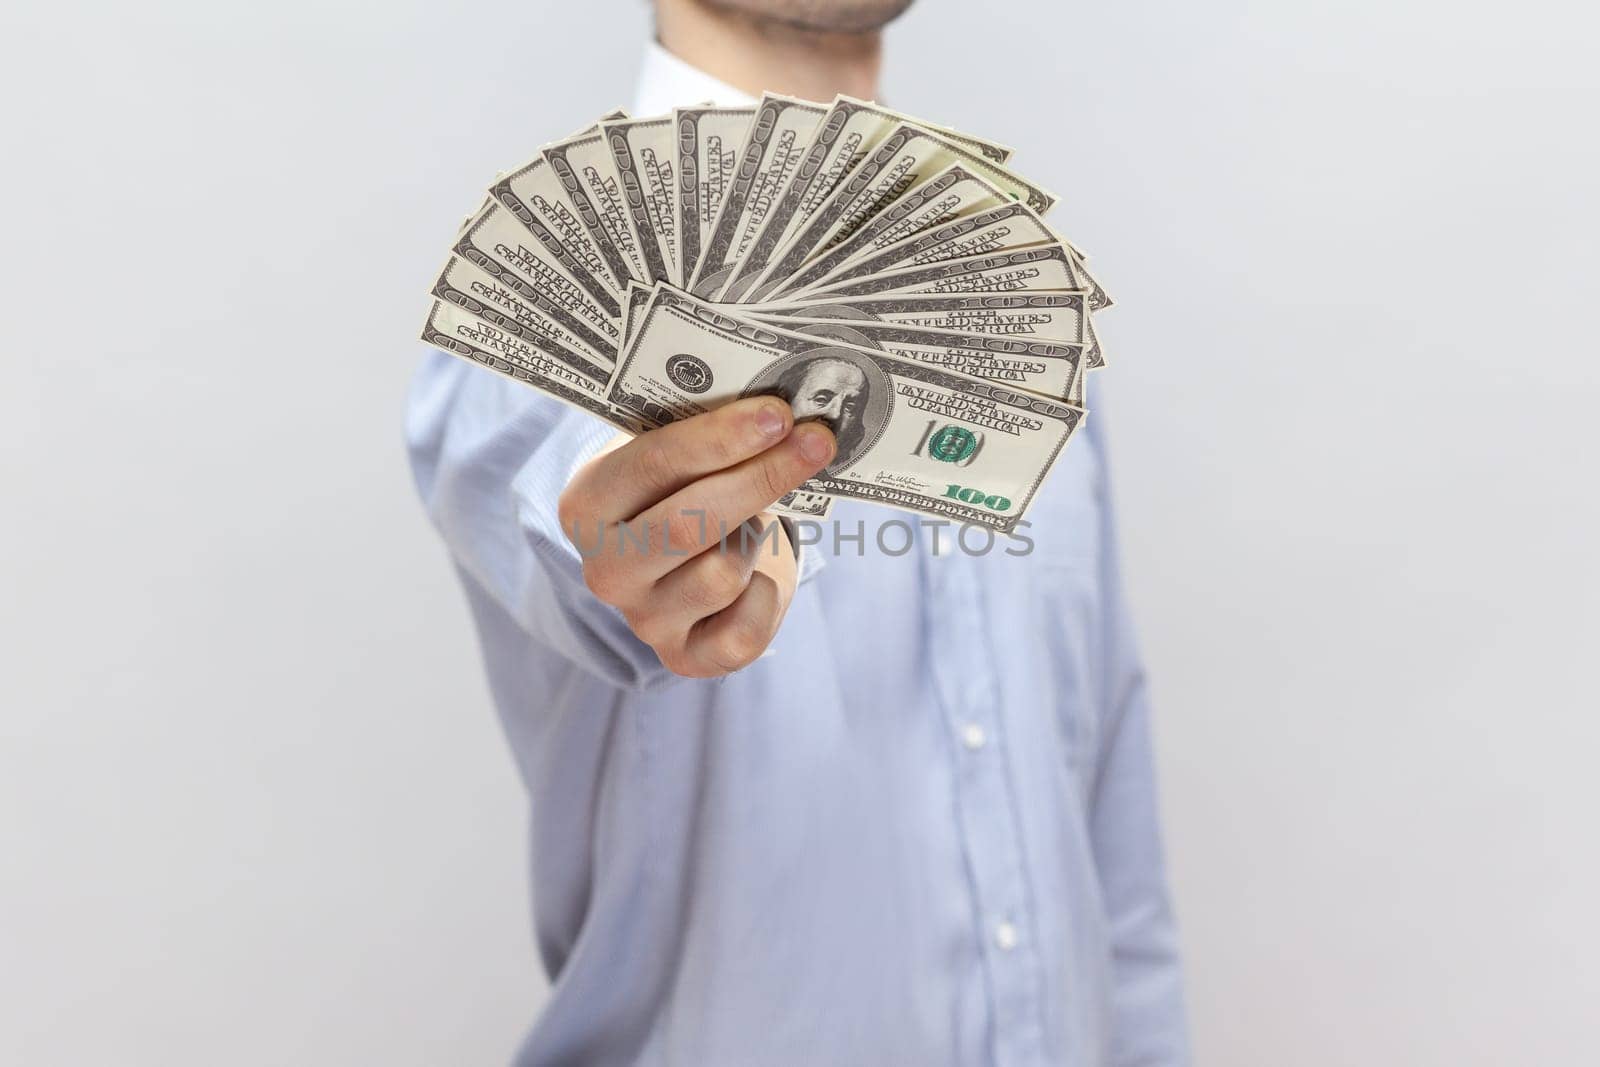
[758, 55]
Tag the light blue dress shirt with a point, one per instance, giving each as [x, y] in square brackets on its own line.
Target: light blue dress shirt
[922, 831]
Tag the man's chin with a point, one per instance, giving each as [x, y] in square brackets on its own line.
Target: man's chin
[820, 16]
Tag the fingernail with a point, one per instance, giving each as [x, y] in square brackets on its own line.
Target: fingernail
[770, 421]
[814, 445]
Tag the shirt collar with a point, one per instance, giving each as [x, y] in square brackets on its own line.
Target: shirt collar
[666, 82]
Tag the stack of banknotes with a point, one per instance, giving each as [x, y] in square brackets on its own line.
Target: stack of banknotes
[888, 276]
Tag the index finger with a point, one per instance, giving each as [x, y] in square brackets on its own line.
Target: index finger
[618, 485]
[699, 515]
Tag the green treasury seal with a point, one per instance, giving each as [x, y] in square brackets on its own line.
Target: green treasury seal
[952, 444]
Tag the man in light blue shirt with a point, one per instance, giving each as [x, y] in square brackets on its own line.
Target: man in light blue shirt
[903, 811]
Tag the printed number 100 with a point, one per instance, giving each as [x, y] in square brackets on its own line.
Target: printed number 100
[969, 495]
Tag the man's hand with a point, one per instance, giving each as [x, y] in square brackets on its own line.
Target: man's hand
[706, 607]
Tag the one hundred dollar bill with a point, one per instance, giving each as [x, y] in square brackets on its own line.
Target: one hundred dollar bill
[908, 156]
[583, 166]
[481, 294]
[1050, 368]
[533, 194]
[999, 229]
[779, 132]
[909, 435]
[953, 192]
[460, 334]
[708, 140]
[846, 135]
[1063, 317]
[1041, 268]
[498, 244]
[643, 155]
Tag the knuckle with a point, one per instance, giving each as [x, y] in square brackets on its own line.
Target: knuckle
[718, 440]
[681, 664]
[646, 534]
[718, 583]
[654, 465]
[772, 479]
[603, 578]
[738, 646]
[652, 628]
[682, 530]
[671, 660]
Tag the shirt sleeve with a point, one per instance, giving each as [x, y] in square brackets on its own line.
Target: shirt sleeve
[1150, 1026]
[490, 458]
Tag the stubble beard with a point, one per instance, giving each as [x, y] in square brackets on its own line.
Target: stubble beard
[818, 16]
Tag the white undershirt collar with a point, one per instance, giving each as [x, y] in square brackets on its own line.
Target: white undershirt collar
[666, 82]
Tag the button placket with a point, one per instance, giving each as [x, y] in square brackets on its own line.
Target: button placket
[969, 690]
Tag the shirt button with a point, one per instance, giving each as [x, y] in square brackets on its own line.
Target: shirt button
[973, 737]
[1005, 936]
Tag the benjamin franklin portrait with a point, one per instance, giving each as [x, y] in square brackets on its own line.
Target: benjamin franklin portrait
[844, 390]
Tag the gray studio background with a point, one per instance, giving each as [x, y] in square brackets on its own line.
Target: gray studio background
[254, 806]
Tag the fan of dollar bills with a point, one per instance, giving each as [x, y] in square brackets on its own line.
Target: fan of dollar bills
[888, 276]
